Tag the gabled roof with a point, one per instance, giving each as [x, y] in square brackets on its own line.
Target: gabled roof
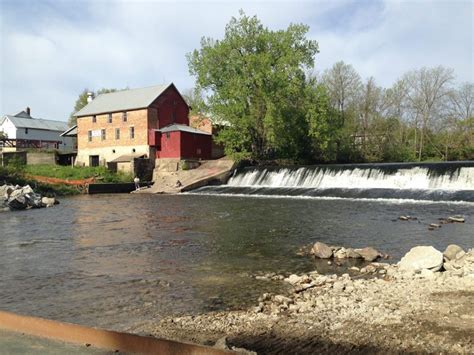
[70, 132]
[182, 128]
[123, 100]
[23, 114]
[36, 123]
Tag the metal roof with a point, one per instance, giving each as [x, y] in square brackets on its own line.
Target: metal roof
[37, 123]
[70, 132]
[182, 128]
[127, 158]
[123, 100]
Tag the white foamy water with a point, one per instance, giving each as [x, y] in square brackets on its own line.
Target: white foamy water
[420, 178]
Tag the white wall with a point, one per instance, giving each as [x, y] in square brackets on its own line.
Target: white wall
[8, 128]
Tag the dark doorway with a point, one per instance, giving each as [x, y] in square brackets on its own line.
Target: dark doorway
[93, 160]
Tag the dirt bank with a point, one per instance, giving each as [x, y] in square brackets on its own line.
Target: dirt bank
[384, 310]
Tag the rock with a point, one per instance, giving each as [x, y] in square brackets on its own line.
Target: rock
[293, 279]
[403, 218]
[221, 343]
[340, 254]
[370, 268]
[434, 225]
[452, 251]
[338, 286]
[279, 299]
[457, 219]
[368, 253]
[20, 198]
[48, 201]
[321, 250]
[351, 253]
[421, 257]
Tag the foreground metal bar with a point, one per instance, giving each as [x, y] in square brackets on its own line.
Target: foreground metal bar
[100, 338]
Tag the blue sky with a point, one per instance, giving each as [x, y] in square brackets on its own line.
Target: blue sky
[51, 50]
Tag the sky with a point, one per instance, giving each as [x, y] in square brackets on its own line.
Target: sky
[51, 50]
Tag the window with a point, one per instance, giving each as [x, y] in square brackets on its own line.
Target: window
[124, 117]
[117, 133]
[102, 134]
[167, 135]
[26, 130]
[132, 132]
[94, 119]
[109, 118]
[89, 135]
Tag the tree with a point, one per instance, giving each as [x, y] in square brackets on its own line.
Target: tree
[255, 79]
[81, 102]
[343, 84]
[427, 91]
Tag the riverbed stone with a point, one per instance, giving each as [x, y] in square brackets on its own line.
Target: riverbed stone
[421, 257]
[452, 251]
[368, 253]
[321, 250]
[48, 201]
[340, 254]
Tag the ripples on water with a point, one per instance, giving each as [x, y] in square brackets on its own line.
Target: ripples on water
[120, 261]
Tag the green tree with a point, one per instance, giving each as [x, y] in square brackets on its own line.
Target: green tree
[82, 102]
[255, 79]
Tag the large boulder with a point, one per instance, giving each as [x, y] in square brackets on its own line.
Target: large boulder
[421, 257]
[452, 252]
[368, 253]
[321, 250]
[17, 200]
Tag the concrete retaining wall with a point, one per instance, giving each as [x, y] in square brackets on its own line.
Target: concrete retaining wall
[33, 158]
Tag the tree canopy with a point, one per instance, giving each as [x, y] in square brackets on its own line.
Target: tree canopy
[255, 79]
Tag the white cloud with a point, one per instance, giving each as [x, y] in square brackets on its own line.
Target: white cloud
[51, 51]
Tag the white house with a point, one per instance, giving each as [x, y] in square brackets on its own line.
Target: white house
[24, 131]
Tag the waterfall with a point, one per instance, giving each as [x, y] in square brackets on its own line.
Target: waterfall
[419, 178]
[447, 181]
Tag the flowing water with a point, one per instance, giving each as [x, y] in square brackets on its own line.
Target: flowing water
[451, 181]
[124, 261]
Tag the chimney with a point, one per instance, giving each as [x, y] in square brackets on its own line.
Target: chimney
[28, 111]
[90, 97]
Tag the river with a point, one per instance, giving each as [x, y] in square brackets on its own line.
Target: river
[124, 261]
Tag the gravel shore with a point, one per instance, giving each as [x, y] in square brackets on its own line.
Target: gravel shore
[379, 310]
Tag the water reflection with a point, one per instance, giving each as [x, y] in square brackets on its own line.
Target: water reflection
[117, 261]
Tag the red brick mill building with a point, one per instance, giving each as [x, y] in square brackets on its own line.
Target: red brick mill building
[151, 122]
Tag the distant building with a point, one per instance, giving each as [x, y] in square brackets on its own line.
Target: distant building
[211, 126]
[24, 131]
[149, 122]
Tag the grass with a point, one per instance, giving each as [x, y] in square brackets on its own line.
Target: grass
[101, 173]
[17, 174]
[14, 176]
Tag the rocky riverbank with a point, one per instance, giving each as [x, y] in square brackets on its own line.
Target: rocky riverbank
[15, 197]
[422, 304]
